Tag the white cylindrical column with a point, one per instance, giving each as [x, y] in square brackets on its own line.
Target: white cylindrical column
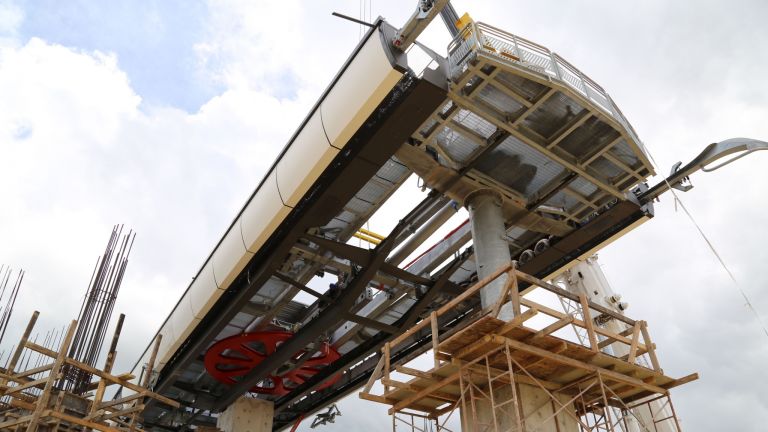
[588, 278]
[488, 239]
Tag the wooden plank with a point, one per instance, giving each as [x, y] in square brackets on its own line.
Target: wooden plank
[435, 337]
[680, 381]
[564, 293]
[473, 347]
[26, 385]
[81, 422]
[29, 372]
[517, 321]
[18, 421]
[588, 324]
[130, 410]
[102, 385]
[42, 350]
[514, 290]
[616, 376]
[416, 388]
[555, 326]
[20, 347]
[22, 404]
[374, 376]
[417, 373]
[122, 400]
[117, 380]
[649, 347]
[42, 402]
[387, 348]
[453, 303]
[610, 340]
[635, 341]
[151, 363]
[390, 401]
[423, 393]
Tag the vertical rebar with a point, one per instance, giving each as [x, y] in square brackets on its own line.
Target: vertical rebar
[98, 305]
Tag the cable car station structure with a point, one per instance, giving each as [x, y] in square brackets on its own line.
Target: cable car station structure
[550, 172]
[546, 163]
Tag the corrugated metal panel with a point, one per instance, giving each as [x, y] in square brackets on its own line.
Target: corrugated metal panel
[553, 114]
[519, 166]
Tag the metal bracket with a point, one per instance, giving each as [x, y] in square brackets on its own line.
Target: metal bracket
[705, 161]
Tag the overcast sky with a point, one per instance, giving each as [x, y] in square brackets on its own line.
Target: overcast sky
[164, 115]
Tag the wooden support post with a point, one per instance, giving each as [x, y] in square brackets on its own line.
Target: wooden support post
[151, 363]
[649, 347]
[435, 338]
[374, 376]
[588, 324]
[21, 346]
[42, 401]
[514, 290]
[107, 367]
[635, 341]
[147, 377]
[386, 365]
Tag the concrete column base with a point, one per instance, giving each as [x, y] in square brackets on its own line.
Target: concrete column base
[534, 405]
[247, 415]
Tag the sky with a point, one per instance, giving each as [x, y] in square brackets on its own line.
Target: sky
[164, 116]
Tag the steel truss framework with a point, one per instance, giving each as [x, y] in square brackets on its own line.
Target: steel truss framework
[489, 368]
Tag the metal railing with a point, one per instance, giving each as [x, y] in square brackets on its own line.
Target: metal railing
[509, 48]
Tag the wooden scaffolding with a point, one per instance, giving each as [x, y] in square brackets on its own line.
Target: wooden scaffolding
[35, 399]
[486, 367]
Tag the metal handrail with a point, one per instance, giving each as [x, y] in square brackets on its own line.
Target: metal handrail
[514, 49]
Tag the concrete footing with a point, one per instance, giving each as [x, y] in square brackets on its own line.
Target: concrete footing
[247, 415]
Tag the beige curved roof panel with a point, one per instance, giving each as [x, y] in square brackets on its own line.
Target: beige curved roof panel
[303, 162]
[361, 87]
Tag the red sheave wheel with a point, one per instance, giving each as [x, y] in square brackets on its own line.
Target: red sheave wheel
[233, 357]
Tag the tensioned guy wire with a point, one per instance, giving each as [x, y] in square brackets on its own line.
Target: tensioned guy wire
[714, 251]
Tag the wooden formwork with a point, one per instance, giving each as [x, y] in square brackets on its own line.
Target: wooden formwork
[594, 389]
[35, 399]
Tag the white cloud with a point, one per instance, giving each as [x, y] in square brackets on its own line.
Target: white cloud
[80, 152]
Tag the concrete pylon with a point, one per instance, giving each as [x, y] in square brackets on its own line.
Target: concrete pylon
[492, 252]
[490, 245]
[247, 415]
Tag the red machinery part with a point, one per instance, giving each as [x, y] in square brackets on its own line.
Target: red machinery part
[233, 357]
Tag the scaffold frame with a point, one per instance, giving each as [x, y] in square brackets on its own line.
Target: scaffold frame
[584, 385]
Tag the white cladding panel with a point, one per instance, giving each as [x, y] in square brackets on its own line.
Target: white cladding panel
[180, 319]
[365, 83]
[362, 86]
[307, 157]
[168, 341]
[203, 291]
[230, 257]
[262, 215]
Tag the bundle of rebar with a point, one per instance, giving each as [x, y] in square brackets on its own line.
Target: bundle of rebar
[7, 310]
[97, 307]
